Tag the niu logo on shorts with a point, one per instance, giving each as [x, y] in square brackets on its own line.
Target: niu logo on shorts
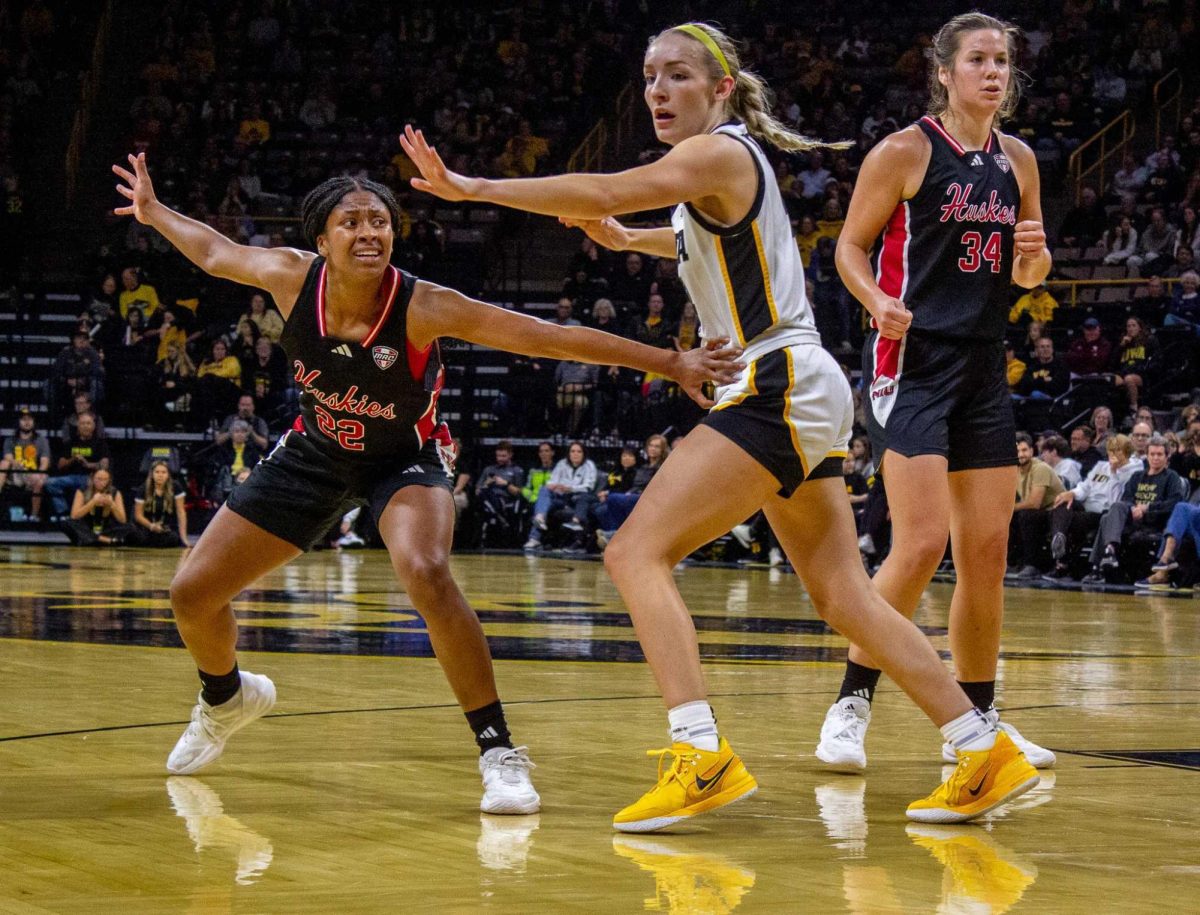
[384, 356]
[876, 393]
[1002, 161]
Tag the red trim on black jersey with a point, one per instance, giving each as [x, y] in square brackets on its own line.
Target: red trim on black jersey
[393, 274]
[387, 308]
[988, 146]
[937, 125]
[893, 257]
[418, 359]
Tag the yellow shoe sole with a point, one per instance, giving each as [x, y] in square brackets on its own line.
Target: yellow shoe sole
[743, 789]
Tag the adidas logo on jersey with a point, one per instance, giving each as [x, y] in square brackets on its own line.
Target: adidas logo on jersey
[343, 349]
[977, 161]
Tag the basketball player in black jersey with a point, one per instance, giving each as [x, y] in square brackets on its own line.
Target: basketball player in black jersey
[362, 340]
[958, 205]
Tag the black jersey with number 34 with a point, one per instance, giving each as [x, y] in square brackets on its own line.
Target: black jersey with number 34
[367, 400]
[947, 252]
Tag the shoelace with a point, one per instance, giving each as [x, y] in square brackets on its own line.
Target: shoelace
[680, 762]
[850, 721]
[513, 762]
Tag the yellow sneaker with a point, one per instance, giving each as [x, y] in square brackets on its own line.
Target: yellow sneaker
[696, 782]
[980, 782]
[687, 880]
[981, 874]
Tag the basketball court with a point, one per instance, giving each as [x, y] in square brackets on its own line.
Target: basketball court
[359, 792]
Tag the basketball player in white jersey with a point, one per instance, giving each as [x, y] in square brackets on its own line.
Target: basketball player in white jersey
[774, 441]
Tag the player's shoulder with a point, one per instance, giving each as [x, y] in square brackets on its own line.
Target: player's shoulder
[1016, 149]
[908, 146]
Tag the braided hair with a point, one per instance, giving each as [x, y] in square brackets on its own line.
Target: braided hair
[322, 199]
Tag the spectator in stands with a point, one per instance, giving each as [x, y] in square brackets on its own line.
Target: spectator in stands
[1034, 331]
[1037, 488]
[136, 346]
[84, 451]
[539, 476]
[267, 319]
[77, 369]
[1089, 353]
[217, 382]
[1186, 460]
[1102, 422]
[174, 375]
[1045, 379]
[1014, 367]
[653, 329]
[1185, 262]
[1189, 231]
[807, 235]
[1130, 178]
[1084, 225]
[82, 404]
[856, 486]
[687, 330]
[1134, 360]
[245, 337]
[25, 460]
[1156, 245]
[165, 334]
[266, 376]
[1185, 305]
[573, 476]
[1184, 522]
[1055, 453]
[629, 283]
[1083, 449]
[159, 516]
[574, 382]
[813, 178]
[1120, 241]
[1076, 514]
[617, 502]
[97, 513]
[499, 494]
[137, 293]
[1145, 504]
[1152, 307]
[1140, 435]
[564, 313]
[238, 453]
[1038, 303]
[258, 433]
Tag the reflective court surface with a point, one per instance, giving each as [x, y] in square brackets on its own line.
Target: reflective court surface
[360, 791]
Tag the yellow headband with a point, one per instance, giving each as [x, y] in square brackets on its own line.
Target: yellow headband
[705, 39]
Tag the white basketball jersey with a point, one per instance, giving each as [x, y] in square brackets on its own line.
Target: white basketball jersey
[746, 280]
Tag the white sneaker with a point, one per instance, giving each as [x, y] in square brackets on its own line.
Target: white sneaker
[212, 726]
[775, 556]
[741, 533]
[1039, 757]
[844, 734]
[507, 787]
[350, 541]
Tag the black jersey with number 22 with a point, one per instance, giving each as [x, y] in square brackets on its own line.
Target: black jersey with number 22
[362, 400]
[947, 252]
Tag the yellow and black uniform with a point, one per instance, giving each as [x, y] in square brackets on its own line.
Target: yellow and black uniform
[790, 408]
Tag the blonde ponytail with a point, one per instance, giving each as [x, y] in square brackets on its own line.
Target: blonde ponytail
[751, 100]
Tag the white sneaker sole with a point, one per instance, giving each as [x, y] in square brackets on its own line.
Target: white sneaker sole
[511, 806]
[1039, 757]
[848, 764]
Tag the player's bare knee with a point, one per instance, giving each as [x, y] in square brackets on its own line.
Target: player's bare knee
[425, 575]
[190, 596]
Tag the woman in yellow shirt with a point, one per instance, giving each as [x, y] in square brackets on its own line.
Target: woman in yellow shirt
[218, 383]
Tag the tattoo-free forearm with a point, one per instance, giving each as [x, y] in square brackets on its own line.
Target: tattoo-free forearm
[194, 240]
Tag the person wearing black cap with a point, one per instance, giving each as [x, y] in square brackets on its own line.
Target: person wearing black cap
[1089, 353]
[27, 456]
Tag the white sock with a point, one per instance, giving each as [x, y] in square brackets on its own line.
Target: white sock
[970, 731]
[694, 723]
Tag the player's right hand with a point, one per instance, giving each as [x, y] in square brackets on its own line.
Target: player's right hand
[137, 188]
[606, 232]
[892, 318]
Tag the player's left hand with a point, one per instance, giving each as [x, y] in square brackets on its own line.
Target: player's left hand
[437, 179]
[716, 361]
[1029, 238]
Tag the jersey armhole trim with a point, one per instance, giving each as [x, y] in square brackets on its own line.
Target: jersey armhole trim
[744, 223]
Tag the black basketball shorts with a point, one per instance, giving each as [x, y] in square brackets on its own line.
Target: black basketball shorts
[300, 491]
[791, 410]
[934, 395]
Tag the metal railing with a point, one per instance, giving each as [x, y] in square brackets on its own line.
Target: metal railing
[1109, 141]
[90, 86]
[1168, 93]
[589, 155]
[1073, 286]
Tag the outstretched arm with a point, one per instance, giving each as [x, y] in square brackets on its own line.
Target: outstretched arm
[280, 271]
[705, 166]
[609, 233]
[435, 311]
